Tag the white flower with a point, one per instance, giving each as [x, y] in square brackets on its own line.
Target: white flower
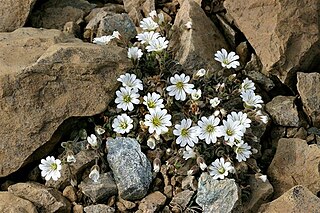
[196, 94]
[180, 87]
[214, 102]
[153, 14]
[94, 174]
[203, 166]
[92, 140]
[264, 178]
[158, 120]
[122, 124]
[99, 130]
[201, 72]
[209, 129]
[131, 81]
[159, 18]
[262, 117]
[242, 118]
[134, 53]
[251, 100]
[148, 24]
[103, 39]
[50, 168]
[188, 153]
[153, 101]
[70, 157]
[187, 135]
[146, 37]
[126, 97]
[227, 60]
[231, 130]
[220, 169]
[247, 85]
[157, 45]
[242, 151]
[116, 34]
[188, 25]
[151, 142]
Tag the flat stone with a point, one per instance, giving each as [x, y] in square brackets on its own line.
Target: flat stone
[10, 203]
[130, 167]
[283, 111]
[309, 89]
[295, 162]
[47, 200]
[105, 188]
[284, 34]
[99, 208]
[297, 199]
[138, 9]
[152, 202]
[46, 86]
[193, 48]
[181, 199]
[217, 195]
[70, 193]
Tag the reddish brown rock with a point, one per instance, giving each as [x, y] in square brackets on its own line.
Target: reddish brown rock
[152, 202]
[295, 163]
[284, 33]
[297, 199]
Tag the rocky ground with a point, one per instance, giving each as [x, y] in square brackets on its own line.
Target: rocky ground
[54, 82]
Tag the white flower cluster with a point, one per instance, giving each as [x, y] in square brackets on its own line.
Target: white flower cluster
[103, 40]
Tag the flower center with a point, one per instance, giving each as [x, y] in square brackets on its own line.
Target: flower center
[221, 170]
[229, 132]
[54, 166]
[151, 104]
[210, 128]
[225, 61]
[179, 85]
[123, 125]
[184, 132]
[156, 121]
[127, 98]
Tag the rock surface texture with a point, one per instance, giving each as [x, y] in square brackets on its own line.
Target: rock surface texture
[297, 199]
[217, 195]
[309, 89]
[295, 162]
[284, 33]
[47, 200]
[193, 48]
[14, 14]
[51, 81]
[10, 203]
[131, 168]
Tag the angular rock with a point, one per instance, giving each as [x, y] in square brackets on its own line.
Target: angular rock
[105, 188]
[195, 48]
[14, 14]
[260, 193]
[70, 193]
[309, 89]
[152, 202]
[48, 84]
[99, 208]
[77, 208]
[181, 199]
[297, 199]
[131, 168]
[10, 203]
[138, 9]
[283, 111]
[295, 162]
[217, 195]
[284, 34]
[47, 200]
[54, 14]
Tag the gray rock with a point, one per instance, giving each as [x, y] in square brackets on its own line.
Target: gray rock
[47, 200]
[131, 168]
[102, 190]
[283, 111]
[181, 199]
[10, 203]
[99, 208]
[117, 22]
[219, 196]
[309, 89]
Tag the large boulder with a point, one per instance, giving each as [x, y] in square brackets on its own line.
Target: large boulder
[10, 203]
[14, 14]
[284, 33]
[295, 163]
[43, 82]
[195, 48]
